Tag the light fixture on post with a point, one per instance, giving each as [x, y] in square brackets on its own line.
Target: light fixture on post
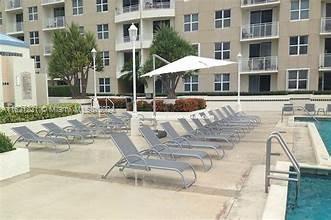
[133, 33]
[239, 56]
[95, 99]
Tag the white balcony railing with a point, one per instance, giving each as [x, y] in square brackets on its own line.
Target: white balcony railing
[56, 22]
[325, 61]
[147, 5]
[259, 64]
[16, 27]
[257, 2]
[48, 50]
[263, 30]
[127, 9]
[12, 4]
[46, 2]
[326, 25]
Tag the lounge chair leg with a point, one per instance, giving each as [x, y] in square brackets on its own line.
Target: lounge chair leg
[105, 176]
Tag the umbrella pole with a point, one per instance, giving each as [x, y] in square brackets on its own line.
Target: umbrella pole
[154, 95]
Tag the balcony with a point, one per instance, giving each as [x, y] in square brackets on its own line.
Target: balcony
[149, 8]
[325, 26]
[51, 2]
[48, 50]
[259, 31]
[325, 62]
[54, 23]
[124, 43]
[258, 3]
[259, 65]
[15, 29]
[13, 5]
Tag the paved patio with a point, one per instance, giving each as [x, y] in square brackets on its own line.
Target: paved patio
[69, 185]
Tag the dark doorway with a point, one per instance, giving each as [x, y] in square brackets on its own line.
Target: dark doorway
[327, 81]
[259, 83]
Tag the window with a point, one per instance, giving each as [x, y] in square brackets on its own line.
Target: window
[81, 30]
[299, 9]
[223, 18]
[103, 31]
[102, 5]
[222, 82]
[104, 85]
[298, 45]
[36, 61]
[0, 18]
[33, 13]
[34, 37]
[222, 50]
[191, 22]
[105, 58]
[196, 46]
[191, 83]
[77, 7]
[297, 79]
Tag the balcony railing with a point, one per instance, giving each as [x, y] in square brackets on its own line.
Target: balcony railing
[147, 5]
[56, 22]
[259, 64]
[127, 9]
[325, 61]
[16, 27]
[48, 50]
[45, 2]
[326, 25]
[263, 30]
[12, 4]
[257, 2]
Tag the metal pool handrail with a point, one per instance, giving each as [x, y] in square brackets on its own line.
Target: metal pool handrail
[269, 172]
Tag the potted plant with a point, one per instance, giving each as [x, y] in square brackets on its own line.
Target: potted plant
[13, 161]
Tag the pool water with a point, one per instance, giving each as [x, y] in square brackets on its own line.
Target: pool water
[314, 201]
[323, 127]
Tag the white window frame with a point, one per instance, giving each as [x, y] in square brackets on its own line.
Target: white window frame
[298, 45]
[33, 14]
[103, 31]
[300, 11]
[190, 82]
[77, 9]
[34, 39]
[297, 79]
[104, 85]
[222, 51]
[222, 82]
[222, 19]
[198, 46]
[191, 22]
[102, 4]
[104, 58]
[36, 62]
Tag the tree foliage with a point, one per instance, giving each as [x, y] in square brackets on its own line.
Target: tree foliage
[169, 45]
[71, 58]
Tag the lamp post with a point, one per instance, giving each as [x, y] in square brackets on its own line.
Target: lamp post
[133, 33]
[95, 99]
[239, 69]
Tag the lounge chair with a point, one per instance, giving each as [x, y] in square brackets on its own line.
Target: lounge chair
[191, 142]
[118, 123]
[106, 125]
[234, 121]
[28, 136]
[55, 130]
[205, 134]
[243, 114]
[310, 108]
[165, 150]
[132, 158]
[251, 121]
[81, 127]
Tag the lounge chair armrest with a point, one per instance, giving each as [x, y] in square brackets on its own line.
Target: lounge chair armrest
[43, 131]
[175, 142]
[138, 157]
[149, 151]
[184, 140]
[68, 128]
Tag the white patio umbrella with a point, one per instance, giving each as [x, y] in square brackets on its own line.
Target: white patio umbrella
[188, 63]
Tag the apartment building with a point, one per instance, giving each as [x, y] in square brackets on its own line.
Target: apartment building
[284, 44]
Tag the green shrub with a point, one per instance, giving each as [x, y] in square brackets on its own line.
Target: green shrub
[33, 113]
[5, 144]
[118, 102]
[59, 91]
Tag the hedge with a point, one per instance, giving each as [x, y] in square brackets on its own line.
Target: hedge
[59, 91]
[118, 102]
[5, 144]
[181, 105]
[33, 113]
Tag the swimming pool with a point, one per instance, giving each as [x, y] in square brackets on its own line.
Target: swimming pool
[324, 128]
[314, 201]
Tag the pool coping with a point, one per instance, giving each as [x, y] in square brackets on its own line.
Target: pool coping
[275, 207]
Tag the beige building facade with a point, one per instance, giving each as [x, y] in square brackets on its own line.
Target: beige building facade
[284, 44]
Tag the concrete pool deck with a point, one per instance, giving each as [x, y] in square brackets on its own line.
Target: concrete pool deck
[69, 185]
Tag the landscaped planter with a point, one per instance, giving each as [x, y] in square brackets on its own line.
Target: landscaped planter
[13, 163]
